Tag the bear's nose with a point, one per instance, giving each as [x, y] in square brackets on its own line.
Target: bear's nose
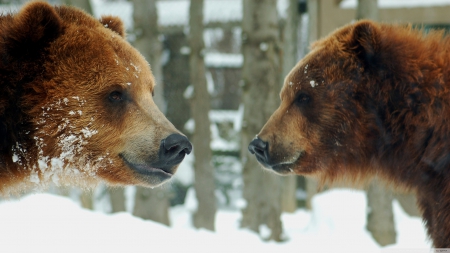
[260, 149]
[172, 151]
[177, 144]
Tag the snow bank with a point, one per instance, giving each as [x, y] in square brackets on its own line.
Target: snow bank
[387, 4]
[49, 223]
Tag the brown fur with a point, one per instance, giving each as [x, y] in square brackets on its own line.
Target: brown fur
[380, 105]
[59, 70]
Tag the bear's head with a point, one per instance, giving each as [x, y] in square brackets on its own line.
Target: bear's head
[77, 104]
[329, 119]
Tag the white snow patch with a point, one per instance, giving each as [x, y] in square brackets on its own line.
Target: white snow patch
[263, 46]
[191, 202]
[176, 12]
[42, 163]
[15, 158]
[209, 82]
[34, 177]
[265, 231]
[136, 68]
[87, 133]
[55, 179]
[237, 124]
[130, 193]
[189, 92]
[241, 203]
[223, 60]
[185, 171]
[18, 152]
[69, 155]
[165, 57]
[121, 9]
[313, 84]
[393, 4]
[212, 35]
[185, 50]
[9, 8]
[56, 163]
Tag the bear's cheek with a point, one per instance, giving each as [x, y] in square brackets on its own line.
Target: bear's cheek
[298, 150]
[284, 140]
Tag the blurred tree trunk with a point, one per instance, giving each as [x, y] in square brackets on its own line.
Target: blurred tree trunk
[380, 218]
[288, 198]
[151, 204]
[313, 35]
[367, 9]
[148, 42]
[302, 29]
[117, 200]
[408, 201]
[176, 78]
[86, 199]
[63, 191]
[204, 183]
[83, 4]
[261, 84]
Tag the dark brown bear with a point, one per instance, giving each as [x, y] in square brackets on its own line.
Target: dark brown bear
[370, 99]
[76, 104]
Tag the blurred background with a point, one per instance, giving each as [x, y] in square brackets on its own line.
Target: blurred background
[220, 65]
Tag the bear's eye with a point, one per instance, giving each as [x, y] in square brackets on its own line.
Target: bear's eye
[115, 96]
[302, 99]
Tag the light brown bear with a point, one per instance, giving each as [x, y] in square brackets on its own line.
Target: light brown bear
[76, 105]
[369, 99]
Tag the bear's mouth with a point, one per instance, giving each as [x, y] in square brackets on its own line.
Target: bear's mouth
[283, 168]
[150, 173]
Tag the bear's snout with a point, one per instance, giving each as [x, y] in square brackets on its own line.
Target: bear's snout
[160, 167]
[272, 161]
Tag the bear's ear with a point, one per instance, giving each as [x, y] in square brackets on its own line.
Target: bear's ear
[365, 42]
[28, 32]
[114, 23]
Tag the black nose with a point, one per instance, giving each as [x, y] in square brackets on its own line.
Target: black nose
[172, 151]
[260, 149]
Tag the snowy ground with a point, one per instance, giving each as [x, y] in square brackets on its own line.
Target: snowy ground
[50, 223]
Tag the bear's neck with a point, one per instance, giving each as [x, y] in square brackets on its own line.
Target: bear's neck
[409, 114]
[16, 127]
